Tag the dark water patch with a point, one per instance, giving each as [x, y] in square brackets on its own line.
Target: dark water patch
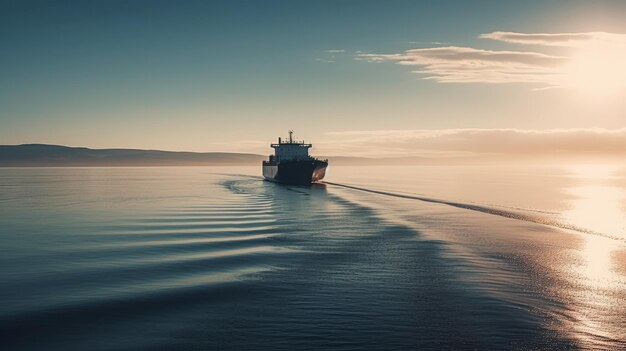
[165, 251]
[101, 325]
[191, 224]
[96, 281]
[139, 235]
[213, 214]
[236, 219]
[298, 190]
[189, 231]
[183, 241]
[236, 206]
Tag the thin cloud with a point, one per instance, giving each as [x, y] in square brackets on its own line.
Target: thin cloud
[479, 142]
[554, 39]
[457, 64]
[453, 64]
[336, 51]
[330, 60]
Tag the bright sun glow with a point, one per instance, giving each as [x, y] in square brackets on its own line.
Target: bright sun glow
[598, 70]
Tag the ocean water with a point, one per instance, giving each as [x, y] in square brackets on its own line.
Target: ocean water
[382, 258]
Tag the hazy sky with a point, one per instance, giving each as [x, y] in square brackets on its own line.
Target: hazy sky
[353, 77]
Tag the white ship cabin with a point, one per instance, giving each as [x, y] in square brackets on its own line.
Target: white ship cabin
[291, 149]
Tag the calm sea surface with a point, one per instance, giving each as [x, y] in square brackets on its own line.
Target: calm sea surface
[383, 258]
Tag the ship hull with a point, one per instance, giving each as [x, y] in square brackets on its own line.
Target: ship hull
[302, 172]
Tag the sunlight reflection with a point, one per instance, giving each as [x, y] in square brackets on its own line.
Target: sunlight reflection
[593, 171]
[597, 268]
[598, 206]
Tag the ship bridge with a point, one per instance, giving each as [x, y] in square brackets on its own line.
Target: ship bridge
[291, 149]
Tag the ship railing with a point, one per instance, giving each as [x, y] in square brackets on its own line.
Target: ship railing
[299, 143]
[273, 161]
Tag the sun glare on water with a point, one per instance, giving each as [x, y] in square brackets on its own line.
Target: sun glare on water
[595, 272]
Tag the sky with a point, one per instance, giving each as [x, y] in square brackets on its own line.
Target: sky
[355, 78]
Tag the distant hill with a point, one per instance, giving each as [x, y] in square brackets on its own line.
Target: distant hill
[42, 155]
[63, 156]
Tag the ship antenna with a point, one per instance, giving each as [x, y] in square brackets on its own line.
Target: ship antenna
[290, 136]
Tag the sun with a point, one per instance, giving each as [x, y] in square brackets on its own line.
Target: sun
[597, 70]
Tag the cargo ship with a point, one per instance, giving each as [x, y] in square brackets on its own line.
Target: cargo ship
[291, 163]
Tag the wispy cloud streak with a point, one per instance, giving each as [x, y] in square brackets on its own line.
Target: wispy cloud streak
[453, 64]
[554, 39]
[456, 64]
[479, 142]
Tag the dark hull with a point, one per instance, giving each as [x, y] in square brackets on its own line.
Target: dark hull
[295, 172]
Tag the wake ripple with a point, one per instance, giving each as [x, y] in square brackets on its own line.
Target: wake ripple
[168, 253]
[486, 209]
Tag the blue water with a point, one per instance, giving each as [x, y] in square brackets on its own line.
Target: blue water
[217, 258]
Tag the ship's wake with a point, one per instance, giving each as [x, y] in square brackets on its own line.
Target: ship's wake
[539, 217]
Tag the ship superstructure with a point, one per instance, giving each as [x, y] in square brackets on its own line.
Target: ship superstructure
[291, 163]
